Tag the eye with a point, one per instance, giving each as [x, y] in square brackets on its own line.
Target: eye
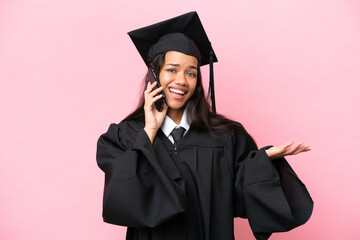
[191, 74]
[171, 70]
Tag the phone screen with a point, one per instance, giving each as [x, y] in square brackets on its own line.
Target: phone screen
[152, 77]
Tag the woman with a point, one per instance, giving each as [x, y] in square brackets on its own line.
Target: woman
[185, 172]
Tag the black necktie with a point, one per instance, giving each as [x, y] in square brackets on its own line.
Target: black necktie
[177, 134]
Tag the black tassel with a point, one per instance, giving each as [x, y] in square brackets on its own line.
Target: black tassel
[211, 82]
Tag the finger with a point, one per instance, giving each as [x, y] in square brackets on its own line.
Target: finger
[293, 149]
[304, 148]
[155, 98]
[147, 86]
[150, 86]
[150, 101]
[286, 145]
[156, 91]
[301, 148]
[153, 90]
[147, 90]
[299, 144]
[150, 95]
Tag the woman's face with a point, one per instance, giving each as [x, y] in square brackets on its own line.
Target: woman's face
[178, 76]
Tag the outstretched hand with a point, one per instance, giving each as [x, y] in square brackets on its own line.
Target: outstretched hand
[286, 149]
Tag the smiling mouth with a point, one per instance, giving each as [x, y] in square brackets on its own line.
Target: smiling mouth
[177, 91]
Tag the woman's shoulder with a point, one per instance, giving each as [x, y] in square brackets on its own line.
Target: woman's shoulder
[235, 130]
[220, 123]
[135, 124]
[219, 138]
[130, 127]
[126, 129]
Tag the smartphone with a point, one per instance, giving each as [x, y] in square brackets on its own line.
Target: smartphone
[152, 77]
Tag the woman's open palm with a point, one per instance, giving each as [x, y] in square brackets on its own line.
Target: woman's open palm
[286, 149]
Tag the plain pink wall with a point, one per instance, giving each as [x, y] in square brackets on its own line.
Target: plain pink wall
[287, 70]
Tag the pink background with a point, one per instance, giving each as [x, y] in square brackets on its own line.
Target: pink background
[287, 70]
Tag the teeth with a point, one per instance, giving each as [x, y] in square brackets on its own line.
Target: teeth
[176, 91]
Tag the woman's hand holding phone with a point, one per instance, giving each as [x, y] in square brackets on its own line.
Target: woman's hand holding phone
[153, 118]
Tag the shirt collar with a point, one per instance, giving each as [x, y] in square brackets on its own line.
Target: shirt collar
[168, 124]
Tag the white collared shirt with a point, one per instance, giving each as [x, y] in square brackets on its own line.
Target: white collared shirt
[168, 125]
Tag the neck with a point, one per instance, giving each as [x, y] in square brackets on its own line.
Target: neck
[175, 115]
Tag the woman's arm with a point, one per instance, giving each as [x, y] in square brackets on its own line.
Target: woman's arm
[268, 193]
[138, 192]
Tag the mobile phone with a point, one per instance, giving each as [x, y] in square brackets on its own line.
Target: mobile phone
[152, 77]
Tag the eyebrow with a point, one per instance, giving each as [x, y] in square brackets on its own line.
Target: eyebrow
[177, 65]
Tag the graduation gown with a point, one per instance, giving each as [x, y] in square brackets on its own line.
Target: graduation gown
[196, 191]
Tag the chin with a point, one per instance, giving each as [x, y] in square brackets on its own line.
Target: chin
[177, 106]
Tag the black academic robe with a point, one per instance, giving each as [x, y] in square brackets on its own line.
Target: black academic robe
[195, 192]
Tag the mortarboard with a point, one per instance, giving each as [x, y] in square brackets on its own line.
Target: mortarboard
[184, 34]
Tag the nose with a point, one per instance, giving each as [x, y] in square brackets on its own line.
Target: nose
[180, 78]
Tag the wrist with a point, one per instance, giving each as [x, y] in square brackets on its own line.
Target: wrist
[269, 154]
[151, 133]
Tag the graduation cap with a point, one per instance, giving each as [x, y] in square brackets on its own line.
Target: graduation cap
[184, 34]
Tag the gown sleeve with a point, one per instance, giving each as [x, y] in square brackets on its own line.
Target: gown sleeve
[268, 193]
[138, 192]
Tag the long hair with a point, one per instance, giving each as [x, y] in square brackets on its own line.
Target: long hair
[199, 111]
